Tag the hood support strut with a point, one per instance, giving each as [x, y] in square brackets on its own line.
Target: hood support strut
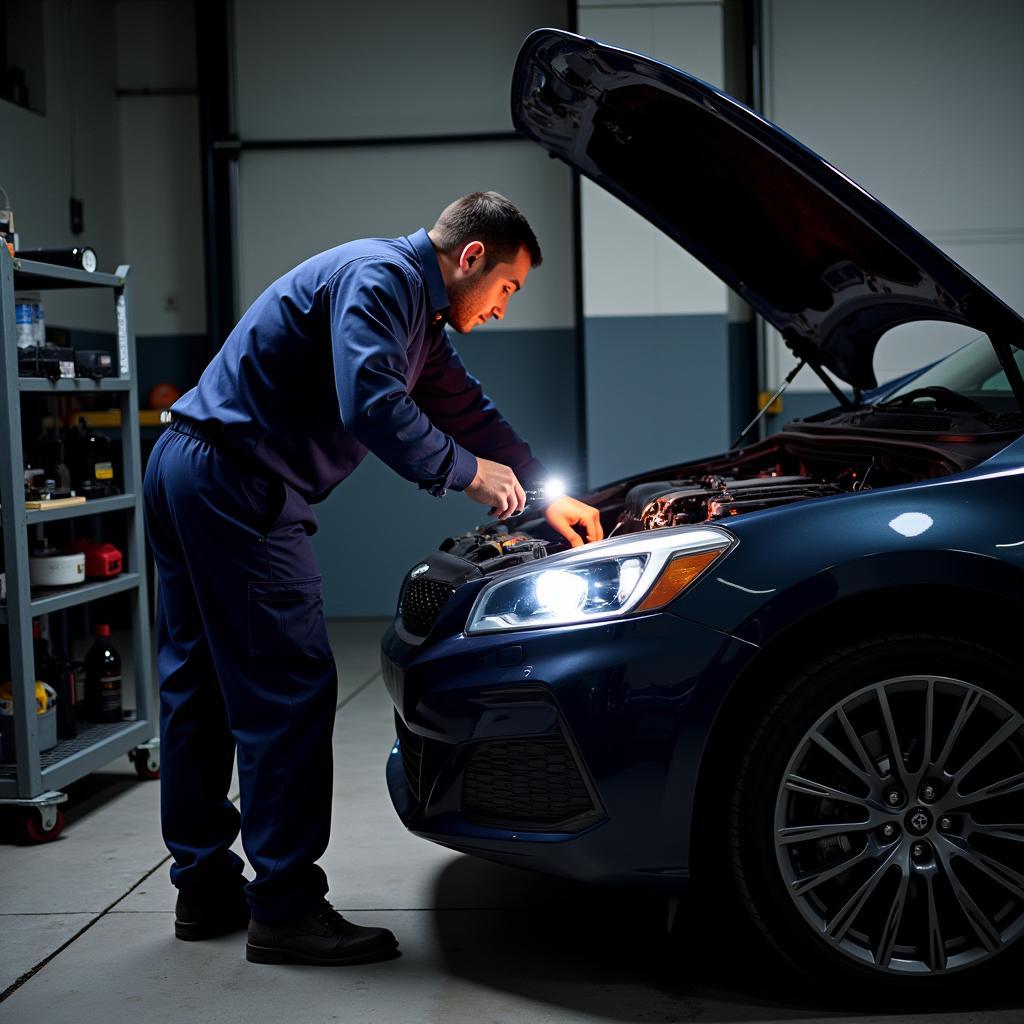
[1005, 353]
[767, 405]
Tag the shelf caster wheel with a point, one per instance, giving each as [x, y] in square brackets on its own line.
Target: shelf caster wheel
[42, 825]
[146, 761]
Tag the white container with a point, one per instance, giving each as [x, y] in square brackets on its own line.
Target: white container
[23, 323]
[39, 321]
[55, 570]
[30, 319]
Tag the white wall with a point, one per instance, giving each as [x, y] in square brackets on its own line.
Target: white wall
[397, 68]
[160, 166]
[293, 204]
[391, 69]
[655, 333]
[630, 268]
[80, 130]
[314, 69]
[921, 102]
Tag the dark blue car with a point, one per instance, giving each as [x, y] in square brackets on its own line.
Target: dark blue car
[793, 668]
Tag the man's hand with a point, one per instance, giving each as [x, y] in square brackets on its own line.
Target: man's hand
[496, 485]
[564, 513]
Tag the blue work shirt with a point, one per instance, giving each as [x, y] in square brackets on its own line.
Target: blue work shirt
[348, 353]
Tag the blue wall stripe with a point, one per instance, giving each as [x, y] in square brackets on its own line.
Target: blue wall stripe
[658, 391]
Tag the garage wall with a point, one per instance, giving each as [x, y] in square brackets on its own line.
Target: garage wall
[161, 192]
[160, 165]
[135, 163]
[657, 323]
[920, 102]
[401, 68]
[78, 129]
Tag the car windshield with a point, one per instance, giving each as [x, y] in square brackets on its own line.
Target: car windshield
[973, 371]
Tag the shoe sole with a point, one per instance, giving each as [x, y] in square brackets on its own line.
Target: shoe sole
[268, 955]
[191, 931]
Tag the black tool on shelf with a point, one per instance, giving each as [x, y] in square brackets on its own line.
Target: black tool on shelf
[81, 257]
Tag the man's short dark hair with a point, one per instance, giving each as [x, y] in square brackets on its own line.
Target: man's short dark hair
[490, 218]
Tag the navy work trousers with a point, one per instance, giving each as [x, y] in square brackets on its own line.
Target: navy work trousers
[244, 664]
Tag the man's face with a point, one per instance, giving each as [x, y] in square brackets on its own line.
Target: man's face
[478, 295]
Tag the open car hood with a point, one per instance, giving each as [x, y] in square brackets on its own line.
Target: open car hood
[821, 259]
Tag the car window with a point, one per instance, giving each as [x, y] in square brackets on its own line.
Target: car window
[973, 370]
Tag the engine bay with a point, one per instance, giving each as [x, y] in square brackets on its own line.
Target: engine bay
[790, 467]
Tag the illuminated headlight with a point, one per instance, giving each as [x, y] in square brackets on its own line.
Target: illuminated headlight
[599, 581]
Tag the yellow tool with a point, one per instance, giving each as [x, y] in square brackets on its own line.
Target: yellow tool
[46, 697]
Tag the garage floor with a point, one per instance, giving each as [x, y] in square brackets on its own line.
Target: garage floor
[86, 923]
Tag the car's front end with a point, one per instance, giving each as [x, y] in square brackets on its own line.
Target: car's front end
[517, 737]
[553, 709]
[798, 654]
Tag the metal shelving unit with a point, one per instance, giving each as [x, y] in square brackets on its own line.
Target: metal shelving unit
[35, 779]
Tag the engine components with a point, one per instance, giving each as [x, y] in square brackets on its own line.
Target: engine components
[493, 547]
[663, 503]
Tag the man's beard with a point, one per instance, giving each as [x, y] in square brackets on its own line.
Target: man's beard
[465, 301]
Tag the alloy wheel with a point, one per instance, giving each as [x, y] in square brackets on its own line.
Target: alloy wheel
[899, 825]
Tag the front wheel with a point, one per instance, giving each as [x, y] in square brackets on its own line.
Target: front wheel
[878, 820]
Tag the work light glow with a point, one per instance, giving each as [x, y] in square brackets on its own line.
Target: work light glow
[553, 487]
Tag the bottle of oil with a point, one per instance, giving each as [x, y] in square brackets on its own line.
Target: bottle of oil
[51, 668]
[103, 678]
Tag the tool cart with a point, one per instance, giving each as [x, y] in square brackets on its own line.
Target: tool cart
[32, 780]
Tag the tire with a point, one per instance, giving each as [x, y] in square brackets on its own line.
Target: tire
[885, 875]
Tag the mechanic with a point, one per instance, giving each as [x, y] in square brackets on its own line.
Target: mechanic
[346, 353]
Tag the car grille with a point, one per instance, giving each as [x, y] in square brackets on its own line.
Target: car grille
[410, 746]
[421, 604]
[527, 784]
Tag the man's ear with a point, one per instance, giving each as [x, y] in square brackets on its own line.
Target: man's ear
[471, 259]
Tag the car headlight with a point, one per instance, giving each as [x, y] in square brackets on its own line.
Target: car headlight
[599, 581]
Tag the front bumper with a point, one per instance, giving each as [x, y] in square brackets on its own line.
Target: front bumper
[573, 750]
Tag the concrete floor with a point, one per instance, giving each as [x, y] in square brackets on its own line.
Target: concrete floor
[86, 924]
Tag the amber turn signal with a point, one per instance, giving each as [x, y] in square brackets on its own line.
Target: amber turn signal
[676, 577]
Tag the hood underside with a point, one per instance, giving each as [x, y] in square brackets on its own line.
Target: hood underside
[821, 259]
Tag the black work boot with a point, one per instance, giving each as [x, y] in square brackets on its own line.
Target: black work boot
[207, 913]
[321, 937]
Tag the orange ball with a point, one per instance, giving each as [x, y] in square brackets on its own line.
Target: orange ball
[163, 395]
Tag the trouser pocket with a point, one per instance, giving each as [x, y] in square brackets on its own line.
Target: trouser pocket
[266, 496]
[286, 619]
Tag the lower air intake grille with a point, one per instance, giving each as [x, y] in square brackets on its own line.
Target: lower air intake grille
[422, 602]
[411, 748]
[532, 784]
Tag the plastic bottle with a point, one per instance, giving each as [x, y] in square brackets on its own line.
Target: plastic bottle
[24, 330]
[103, 678]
